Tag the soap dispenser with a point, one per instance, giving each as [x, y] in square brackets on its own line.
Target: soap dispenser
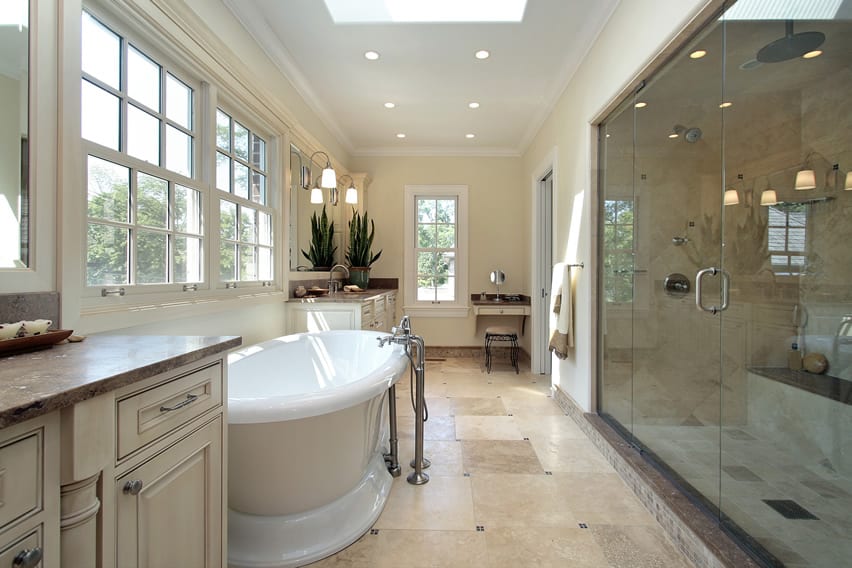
[794, 358]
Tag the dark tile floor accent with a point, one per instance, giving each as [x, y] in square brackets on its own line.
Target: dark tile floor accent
[741, 473]
[789, 509]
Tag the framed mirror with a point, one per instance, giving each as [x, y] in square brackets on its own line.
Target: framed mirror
[302, 210]
[14, 135]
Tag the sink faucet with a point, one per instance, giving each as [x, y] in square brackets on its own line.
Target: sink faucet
[334, 285]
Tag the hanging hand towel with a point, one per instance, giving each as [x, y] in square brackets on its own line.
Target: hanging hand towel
[562, 337]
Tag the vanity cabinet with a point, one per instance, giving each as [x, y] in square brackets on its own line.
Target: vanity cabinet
[167, 489]
[113, 454]
[29, 494]
[375, 313]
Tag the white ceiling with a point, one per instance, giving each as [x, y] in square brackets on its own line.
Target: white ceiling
[429, 72]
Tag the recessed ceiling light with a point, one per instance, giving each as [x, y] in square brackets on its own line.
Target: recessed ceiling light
[371, 55]
[726, 104]
[482, 54]
[641, 104]
[673, 135]
[470, 135]
[812, 54]
[400, 135]
[698, 54]
[389, 105]
[473, 105]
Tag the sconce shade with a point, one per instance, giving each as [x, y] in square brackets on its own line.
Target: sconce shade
[352, 195]
[316, 195]
[329, 180]
[731, 197]
[805, 179]
[848, 185]
[768, 197]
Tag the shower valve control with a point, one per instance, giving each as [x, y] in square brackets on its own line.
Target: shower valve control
[676, 284]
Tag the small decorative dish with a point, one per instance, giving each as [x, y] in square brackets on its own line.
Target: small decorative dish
[33, 342]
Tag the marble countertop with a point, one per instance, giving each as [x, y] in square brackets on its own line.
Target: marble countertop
[36, 383]
[341, 296]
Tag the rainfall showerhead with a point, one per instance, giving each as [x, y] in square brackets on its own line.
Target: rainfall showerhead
[691, 135]
[790, 46]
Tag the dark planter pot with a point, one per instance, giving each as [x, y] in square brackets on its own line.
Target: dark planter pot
[360, 276]
[321, 268]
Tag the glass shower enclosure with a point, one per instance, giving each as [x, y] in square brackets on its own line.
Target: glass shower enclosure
[725, 210]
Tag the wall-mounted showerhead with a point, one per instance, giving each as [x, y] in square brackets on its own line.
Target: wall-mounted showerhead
[790, 46]
[691, 135]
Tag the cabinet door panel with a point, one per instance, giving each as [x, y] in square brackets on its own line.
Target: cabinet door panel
[174, 517]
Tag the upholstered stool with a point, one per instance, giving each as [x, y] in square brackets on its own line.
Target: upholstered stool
[501, 333]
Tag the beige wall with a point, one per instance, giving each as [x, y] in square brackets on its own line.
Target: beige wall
[498, 227]
[635, 33]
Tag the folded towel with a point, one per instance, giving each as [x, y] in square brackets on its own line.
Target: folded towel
[562, 336]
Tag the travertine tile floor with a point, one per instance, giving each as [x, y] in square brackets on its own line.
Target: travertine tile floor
[513, 483]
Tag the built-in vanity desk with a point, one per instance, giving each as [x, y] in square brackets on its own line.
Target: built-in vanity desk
[371, 309]
[491, 306]
[112, 453]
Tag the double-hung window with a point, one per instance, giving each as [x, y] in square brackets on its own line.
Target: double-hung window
[245, 214]
[436, 251]
[618, 247]
[786, 238]
[144, 203]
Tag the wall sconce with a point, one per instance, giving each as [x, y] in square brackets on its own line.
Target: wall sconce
[731, 197]
[768, 197]
[329, 179]
[806, 177]
[316, 193]
[351, 191]
[304, 171]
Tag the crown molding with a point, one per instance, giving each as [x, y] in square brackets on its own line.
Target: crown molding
[249, 17]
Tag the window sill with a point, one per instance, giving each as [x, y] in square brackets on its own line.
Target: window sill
[437, 311]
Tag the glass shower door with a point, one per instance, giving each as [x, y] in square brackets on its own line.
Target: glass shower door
[785, 439]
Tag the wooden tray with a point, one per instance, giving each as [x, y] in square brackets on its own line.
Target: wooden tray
[33, 342]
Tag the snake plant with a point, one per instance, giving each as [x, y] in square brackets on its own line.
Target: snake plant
[322, 248]
[361, 241]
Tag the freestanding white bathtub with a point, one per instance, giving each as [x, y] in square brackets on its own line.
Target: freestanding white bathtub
[306, 473]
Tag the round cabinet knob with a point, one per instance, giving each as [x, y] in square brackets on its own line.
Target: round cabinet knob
[132, 487]
[27, 558]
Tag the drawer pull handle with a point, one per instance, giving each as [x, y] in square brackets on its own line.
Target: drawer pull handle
[132, 487]
[190, 398]
[27, 558]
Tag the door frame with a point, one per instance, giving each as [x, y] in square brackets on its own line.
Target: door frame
[540, 357]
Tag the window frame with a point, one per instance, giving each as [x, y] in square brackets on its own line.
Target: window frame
[787, 269]
[271, 207]
[460, 306]
[205, 96]
[608, 250]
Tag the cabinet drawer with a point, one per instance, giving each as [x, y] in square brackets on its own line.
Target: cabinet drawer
[149, 414]
[21, 547]
[495, 311]
[20, 477]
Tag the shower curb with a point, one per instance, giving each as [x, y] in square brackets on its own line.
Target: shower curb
[689, 529]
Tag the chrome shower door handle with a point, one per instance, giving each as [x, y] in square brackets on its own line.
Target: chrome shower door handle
[699, 281]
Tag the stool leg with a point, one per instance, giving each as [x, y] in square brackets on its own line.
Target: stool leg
[488, 354]
[515, 354]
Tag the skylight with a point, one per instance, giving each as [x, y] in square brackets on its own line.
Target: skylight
[784, 10]
[407, 11]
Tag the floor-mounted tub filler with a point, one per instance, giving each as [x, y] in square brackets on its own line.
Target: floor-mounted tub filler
[306, 474]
